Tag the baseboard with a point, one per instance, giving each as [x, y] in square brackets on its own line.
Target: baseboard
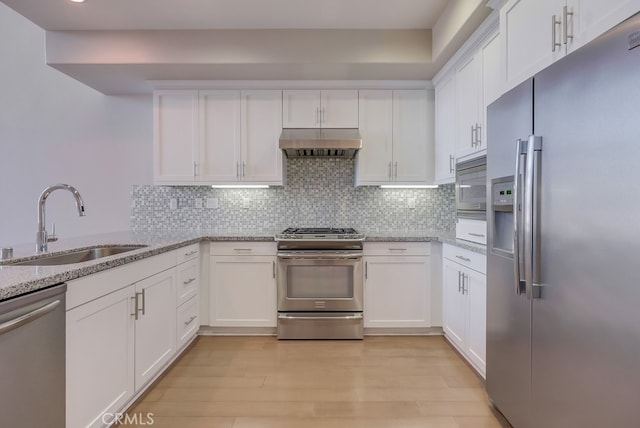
[403, 331]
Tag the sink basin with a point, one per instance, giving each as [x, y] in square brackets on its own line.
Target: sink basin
[79, 256]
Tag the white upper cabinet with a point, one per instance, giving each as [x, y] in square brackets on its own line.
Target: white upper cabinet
[320, 109]
[397, 137]
[445, 150]
[217, 137]
[413, 117]
[468, 103]
[464, 88]
[261, 119]
[175, 143]
[376, 129]
[535, 33]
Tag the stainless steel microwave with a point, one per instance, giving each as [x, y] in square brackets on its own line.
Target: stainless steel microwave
[471, 188]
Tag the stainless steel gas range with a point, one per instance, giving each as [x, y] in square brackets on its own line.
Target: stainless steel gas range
[320, 283]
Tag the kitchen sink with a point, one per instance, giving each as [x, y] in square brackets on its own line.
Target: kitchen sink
[84, 255]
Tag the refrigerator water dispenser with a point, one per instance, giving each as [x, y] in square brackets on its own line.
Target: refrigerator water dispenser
[502, 193]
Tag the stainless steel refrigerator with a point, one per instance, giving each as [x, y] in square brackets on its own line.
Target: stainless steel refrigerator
[563, 274]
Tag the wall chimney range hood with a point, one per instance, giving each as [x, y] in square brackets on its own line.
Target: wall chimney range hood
[314, 142]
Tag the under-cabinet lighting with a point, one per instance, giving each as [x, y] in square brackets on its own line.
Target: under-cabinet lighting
[409, 186]
[240, 186]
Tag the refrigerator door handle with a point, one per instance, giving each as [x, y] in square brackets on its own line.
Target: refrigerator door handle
[518, 263]
[531, 208]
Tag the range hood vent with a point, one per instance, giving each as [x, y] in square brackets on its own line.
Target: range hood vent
[333, 143]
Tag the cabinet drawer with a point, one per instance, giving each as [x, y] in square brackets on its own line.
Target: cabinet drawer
[188, 321]
[472, 230]
[188, 280]
[397, 248]
[470, 259]
[240, 248]
[189, 252]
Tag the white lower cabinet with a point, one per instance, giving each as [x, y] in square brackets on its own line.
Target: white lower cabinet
[155, 325]
[122, 331]
[397, 289]
[100, 358]
[243, 284]
[464, 303]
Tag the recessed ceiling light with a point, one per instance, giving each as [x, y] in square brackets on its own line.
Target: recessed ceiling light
[78, 1]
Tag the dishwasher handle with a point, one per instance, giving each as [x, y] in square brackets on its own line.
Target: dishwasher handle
[28, 317]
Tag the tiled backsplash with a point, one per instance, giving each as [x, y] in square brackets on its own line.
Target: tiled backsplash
[319, 192]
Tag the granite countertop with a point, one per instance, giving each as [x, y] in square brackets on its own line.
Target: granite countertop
[18, 280]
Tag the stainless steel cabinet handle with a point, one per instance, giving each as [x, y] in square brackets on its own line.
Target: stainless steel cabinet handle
[317, 114]
[451, 165]
[242, 249]
[322, 116]
[195, 173]
[397, 249]
[466, 259]
[188, 281]
[366, 270]
[345, 317]
[479, 134]
[191, 253]
[395, 175]
[28, 317]
[390, 171]
[274, 269]
[472, 136]
[144, 301]
[565, 24]
[135, 306]
[531, 214]
[193, 317]
[518, 263]
[479, 235]
[459, 282]
[554, 43]
[465, 278]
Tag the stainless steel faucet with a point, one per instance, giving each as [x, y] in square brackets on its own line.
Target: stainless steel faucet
[41, 238]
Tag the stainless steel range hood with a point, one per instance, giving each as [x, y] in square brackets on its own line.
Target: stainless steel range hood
[320, 142]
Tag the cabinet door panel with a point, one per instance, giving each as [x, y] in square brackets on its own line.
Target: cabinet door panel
[219, 136]
[156, 325]
[593, 17]
[412, 150]
[393, 303]
[526, 34]
[175, 138]
[455, 306]
[376, 128]
[301, 109]
[262, 126]
[243, 291]
[445, 130]
[477, 338]
[100, 359]
[467, 106]
[339, 109]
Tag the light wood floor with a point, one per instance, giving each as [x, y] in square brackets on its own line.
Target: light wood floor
[251, 382]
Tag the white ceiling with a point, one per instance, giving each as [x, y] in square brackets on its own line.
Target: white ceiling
[229, 14]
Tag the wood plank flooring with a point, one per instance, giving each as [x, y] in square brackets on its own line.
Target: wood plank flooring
[260, 382]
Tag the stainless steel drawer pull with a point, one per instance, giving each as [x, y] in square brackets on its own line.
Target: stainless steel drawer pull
[135, 306]
[346, 317]
[274, 268]
[188, 281]
[480, 235]
[466, 259]
[397, 249]
[243, 249]
[193, 317]
[191, 253]
[27, 318]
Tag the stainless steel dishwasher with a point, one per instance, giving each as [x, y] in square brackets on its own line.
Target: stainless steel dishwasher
[32, 359]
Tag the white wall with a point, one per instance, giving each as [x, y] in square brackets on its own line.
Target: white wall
[55, 129]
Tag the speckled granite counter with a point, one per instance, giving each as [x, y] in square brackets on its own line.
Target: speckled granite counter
[18, 280]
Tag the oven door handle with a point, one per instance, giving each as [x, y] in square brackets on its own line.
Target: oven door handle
[342, 317]
[321, 256]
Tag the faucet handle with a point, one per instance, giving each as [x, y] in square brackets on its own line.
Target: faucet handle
[52, 237]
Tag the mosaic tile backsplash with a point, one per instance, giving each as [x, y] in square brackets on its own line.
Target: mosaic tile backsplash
[318, 193]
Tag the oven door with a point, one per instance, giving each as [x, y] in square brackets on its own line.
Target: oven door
[471, 189]
[320, 281]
